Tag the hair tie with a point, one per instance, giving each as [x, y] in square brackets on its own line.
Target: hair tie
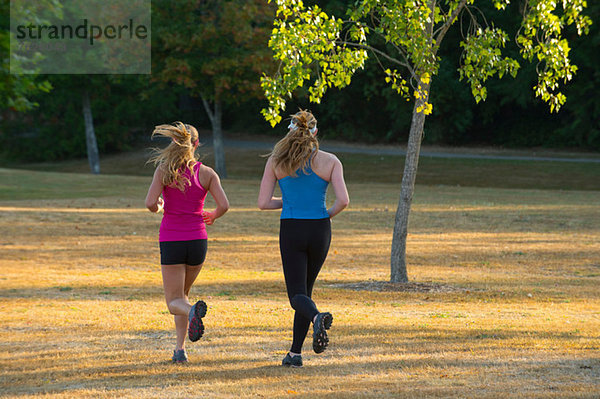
[293, 126]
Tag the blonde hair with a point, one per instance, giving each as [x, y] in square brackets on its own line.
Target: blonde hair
[178, 155]
[294, 151]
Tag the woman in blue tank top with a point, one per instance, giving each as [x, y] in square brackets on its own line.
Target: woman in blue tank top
[304, 173]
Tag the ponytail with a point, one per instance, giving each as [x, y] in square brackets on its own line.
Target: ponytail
[295, 150]
[178, 155]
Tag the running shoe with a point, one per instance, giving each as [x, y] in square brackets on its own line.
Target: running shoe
[196, 327]
[321, 324]
[292, 361]
[179, 356]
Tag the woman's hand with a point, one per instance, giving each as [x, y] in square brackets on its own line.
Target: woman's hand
[161, 204]
[208, 217]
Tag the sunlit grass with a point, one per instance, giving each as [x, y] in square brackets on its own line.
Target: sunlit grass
[82, 312]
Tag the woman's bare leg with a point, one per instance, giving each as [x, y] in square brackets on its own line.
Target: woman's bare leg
[177, 281]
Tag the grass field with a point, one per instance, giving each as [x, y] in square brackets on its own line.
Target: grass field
[503, 301]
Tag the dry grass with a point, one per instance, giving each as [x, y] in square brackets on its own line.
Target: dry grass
[82, 311]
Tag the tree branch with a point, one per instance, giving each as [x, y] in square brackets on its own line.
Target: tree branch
[381, 53]
[446, 26]
[406, 64]
[208, 110]
[432, 16]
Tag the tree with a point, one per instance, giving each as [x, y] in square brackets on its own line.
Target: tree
[214, 49]
[404, 36]
[90, 133]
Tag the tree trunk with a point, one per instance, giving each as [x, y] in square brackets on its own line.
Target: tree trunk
[398, 257]
[90, 135]
[218, 142]
[218, 148]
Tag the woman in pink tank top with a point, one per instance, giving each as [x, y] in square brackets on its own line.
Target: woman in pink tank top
[183, 183]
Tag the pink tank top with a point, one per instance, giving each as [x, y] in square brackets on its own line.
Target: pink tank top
[182, 218]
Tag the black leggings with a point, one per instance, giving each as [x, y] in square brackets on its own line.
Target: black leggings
[303, 244]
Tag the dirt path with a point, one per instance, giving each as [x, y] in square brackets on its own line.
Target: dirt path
[266, 143]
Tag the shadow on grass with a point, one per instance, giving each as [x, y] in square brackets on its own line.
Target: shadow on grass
[530, 287]
[404, 340]
[227, 289]
[224, 364]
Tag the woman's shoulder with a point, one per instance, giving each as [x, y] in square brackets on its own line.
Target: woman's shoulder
[206, 174]
[324, 163]
[326, 157]
[159, 171]
[205, 170]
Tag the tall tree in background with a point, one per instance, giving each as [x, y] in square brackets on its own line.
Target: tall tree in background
[214, 49]
[90, 133]
[404, 36]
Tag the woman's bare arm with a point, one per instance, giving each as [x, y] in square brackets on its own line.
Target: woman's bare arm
[267, 188]
[154, 202]
[339, 188]
[216, 190]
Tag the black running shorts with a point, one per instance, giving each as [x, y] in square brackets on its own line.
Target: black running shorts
[191, 253]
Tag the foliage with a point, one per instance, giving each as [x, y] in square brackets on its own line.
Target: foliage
[513, 116]
[326, 51]
[541, 38]
[369, 110]
[308, 39]
[122, 117]
[581, 125]
[216, 49]
[16, 88]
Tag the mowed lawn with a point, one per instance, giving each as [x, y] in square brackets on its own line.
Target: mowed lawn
[504, 299]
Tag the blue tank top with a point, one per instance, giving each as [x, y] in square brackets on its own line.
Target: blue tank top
[304, 196]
